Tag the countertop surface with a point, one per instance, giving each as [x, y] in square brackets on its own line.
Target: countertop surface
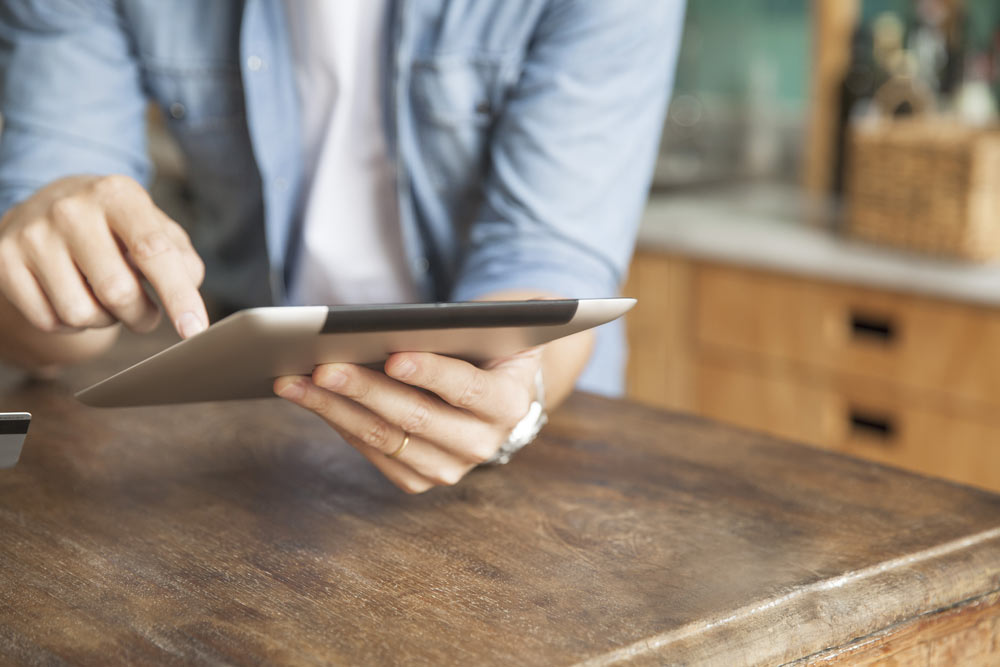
[243, 533]
[777, 228]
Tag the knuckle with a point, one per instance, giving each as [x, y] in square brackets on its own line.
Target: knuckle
[78, 315]
[67, 211]
[376, 435]
[114, 186]
[151, 245]
[178, 230]
[418, 420]
[35, 235]
[117, 291]
[474, 391]
[199, 269]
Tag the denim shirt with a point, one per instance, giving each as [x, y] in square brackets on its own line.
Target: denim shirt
[524, 132]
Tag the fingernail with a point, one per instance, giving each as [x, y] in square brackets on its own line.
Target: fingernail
[333, 379]
[404, 369]
[189, 324]
[293, 391]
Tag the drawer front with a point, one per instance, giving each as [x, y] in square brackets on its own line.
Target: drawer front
[761, 402]
[921, 343]
[857, 417]
[659, 331]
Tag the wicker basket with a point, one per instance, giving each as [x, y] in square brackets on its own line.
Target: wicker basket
[926, 185]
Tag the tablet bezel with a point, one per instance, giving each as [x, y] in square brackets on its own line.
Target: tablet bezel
[239, 356]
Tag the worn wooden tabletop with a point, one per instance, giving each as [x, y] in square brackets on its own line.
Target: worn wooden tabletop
[241, 533]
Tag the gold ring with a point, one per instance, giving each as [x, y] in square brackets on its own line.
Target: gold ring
[402, 446]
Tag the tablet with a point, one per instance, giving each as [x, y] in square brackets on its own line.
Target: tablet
[240, 356]
[13, 429]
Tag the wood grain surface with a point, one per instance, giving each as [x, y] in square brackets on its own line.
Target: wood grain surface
[243, 533]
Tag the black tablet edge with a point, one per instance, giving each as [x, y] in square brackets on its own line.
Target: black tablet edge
[462, 315]
[14, 423]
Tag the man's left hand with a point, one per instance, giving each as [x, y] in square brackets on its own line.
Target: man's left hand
[450, 414]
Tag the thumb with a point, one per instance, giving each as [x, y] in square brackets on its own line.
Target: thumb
[521, 367]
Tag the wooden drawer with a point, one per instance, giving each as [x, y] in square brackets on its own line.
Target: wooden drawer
[856, 416]
[760, 401]
[932, 345]
[659, 331]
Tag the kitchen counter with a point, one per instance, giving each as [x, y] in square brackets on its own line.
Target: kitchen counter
[242, 533]
[777, 228]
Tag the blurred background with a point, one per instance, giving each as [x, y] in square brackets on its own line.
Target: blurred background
[818, 256]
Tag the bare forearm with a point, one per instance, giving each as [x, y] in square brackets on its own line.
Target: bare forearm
[24, 346]
[562, 362]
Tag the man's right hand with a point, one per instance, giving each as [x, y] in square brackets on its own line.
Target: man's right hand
[72, 257]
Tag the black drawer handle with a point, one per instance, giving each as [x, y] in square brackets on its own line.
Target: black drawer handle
[872, 425]
[875, 328]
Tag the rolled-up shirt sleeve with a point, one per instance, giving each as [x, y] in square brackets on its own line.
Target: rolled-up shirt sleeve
[572, 153]
[71, 95]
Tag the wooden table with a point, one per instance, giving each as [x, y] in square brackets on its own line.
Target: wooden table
[238, 533]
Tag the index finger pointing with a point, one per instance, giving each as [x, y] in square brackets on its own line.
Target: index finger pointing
[161, 261]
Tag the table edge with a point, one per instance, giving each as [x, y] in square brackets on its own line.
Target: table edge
[930, 580]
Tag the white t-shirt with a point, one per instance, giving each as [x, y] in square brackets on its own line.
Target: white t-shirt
[352, 248]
